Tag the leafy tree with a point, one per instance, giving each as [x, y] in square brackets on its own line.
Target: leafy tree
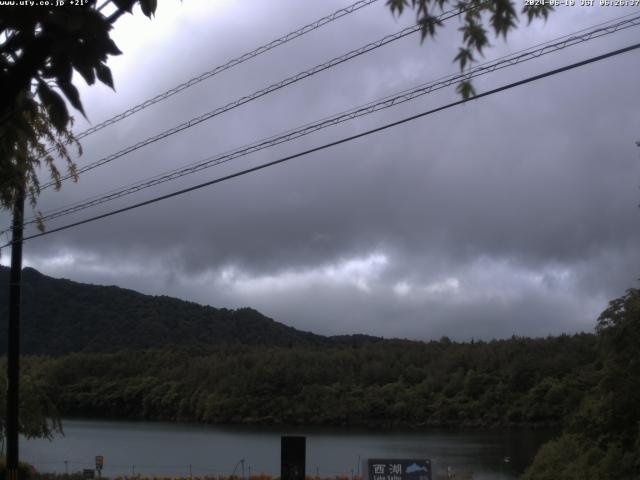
[602, 440]
[40, 47]
[619, 332]
[39, 417]
[480, 17]
[29, 139]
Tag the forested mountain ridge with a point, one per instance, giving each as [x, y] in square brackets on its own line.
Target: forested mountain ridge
[61, 316]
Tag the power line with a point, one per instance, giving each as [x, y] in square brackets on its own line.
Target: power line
[226, 66]
[337, 142]
[259, 93]
[230, 64]
[387, 102]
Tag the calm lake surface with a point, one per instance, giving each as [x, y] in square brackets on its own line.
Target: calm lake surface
[154, 448]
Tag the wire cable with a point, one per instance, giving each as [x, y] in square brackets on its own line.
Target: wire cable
[230, 64]
[259, 93]
[334, 143]
[226, 66]
[387, 102]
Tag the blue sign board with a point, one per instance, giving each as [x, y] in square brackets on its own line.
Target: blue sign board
[398, 469]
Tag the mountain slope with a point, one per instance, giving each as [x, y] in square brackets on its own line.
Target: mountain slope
[61, 316]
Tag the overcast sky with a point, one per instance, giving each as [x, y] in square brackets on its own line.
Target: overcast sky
[514, 214]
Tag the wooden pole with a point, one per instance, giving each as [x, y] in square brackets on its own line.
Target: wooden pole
[13, 351]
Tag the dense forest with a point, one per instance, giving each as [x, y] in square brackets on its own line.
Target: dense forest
[395, 383]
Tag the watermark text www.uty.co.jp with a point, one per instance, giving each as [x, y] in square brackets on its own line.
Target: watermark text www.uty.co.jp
[43, 3]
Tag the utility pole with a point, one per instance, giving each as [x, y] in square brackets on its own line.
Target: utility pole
[13, 351]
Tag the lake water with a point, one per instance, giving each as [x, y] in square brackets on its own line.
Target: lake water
[169, 449]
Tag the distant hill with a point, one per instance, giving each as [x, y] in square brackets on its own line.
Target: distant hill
[61, 316]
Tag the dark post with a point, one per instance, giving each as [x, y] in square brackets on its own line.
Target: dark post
[13, 352]
[292, 458]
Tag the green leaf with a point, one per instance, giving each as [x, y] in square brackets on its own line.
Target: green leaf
[111, 48]
[466, 90]
[429, 24]
[60, 70]
[40, 222]
[86, 70]
[504, 17]
[537, 11]
[104, 74]
[464, 56]
[148, 7]
[397, 6]
[125, 5]
[475, 36]
[71, 92]
[55, 105]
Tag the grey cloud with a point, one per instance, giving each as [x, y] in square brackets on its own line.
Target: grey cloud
[539, 179]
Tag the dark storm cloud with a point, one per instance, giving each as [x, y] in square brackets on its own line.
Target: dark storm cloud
[514, 214]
